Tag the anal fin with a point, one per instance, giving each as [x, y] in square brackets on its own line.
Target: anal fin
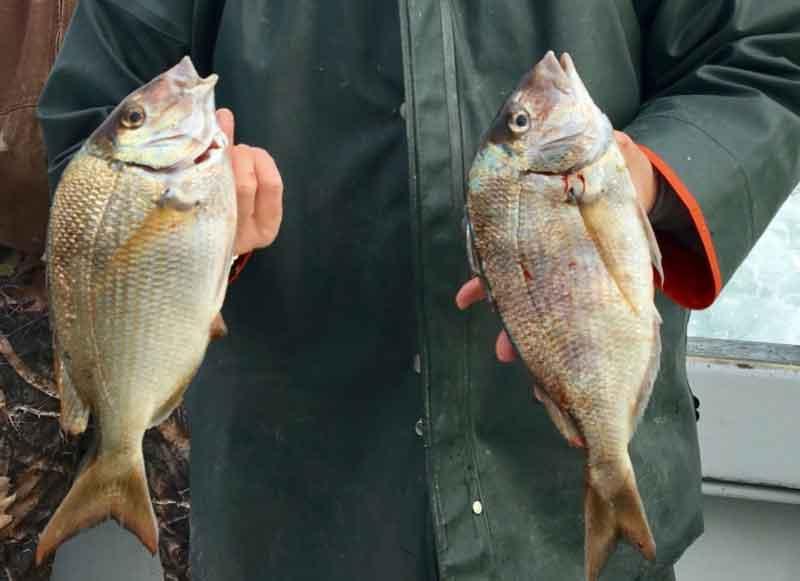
[562, 420]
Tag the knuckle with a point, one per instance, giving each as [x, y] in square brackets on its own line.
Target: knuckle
[276, 185]
[246, 185]
[267, 166]
[262, 156]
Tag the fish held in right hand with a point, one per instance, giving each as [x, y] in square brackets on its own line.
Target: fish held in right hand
[567, 255]
[139, 248]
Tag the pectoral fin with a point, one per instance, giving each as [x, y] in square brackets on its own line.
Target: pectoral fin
[178, 199]
[609, 229]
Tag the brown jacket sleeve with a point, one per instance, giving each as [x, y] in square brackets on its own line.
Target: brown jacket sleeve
[30, 36]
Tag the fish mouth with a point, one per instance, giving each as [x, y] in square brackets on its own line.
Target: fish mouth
[210, 151]
[213, 150]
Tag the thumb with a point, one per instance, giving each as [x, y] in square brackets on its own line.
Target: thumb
[226, 123]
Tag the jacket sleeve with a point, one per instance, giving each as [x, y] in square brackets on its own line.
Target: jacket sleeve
[721, 124]
[111, 48]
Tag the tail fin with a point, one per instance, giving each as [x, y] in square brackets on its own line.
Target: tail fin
[620, 513]
[110, 485]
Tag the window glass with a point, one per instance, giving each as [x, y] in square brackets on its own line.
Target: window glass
[762, 300]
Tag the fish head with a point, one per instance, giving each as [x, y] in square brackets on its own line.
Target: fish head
[549, 124]
[169, 123]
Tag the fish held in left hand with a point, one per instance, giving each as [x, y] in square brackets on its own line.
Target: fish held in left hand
[139, 246]
[566, 253]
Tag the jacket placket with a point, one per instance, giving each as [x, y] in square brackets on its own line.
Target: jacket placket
[437, 169]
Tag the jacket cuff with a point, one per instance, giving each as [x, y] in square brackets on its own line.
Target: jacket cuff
[691, 278]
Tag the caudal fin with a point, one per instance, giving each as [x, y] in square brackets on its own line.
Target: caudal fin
[610, 516]
[110, 486]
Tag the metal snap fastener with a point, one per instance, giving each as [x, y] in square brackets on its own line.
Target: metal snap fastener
[419, 427]
[417, 364]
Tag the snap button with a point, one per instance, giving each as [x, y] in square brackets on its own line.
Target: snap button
[477, 507]
[419, 427]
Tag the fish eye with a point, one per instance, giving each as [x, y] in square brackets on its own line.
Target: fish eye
[519, 122]
[133, 117]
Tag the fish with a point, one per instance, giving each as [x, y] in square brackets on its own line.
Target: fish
[568, 259]
[138, 251]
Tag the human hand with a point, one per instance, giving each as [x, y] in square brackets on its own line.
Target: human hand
[259, 191]
[471, 293]
[643, 176]
[646, 184]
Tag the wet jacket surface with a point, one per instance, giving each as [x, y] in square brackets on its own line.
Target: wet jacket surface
[353, 412]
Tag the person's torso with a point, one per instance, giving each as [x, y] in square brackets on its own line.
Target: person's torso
[308, 457]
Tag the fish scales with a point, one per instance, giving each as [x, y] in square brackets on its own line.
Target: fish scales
[139, 246]
[567, 254]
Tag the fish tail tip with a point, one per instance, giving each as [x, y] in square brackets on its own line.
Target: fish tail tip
[100, 492]
[609, 516]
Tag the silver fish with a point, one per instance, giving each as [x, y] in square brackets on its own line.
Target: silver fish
[139, 246]
[567, 254]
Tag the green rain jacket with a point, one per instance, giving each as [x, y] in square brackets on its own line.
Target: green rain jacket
[355, 425]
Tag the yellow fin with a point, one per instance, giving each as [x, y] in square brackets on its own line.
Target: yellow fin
[110, 486]
[620, 514]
